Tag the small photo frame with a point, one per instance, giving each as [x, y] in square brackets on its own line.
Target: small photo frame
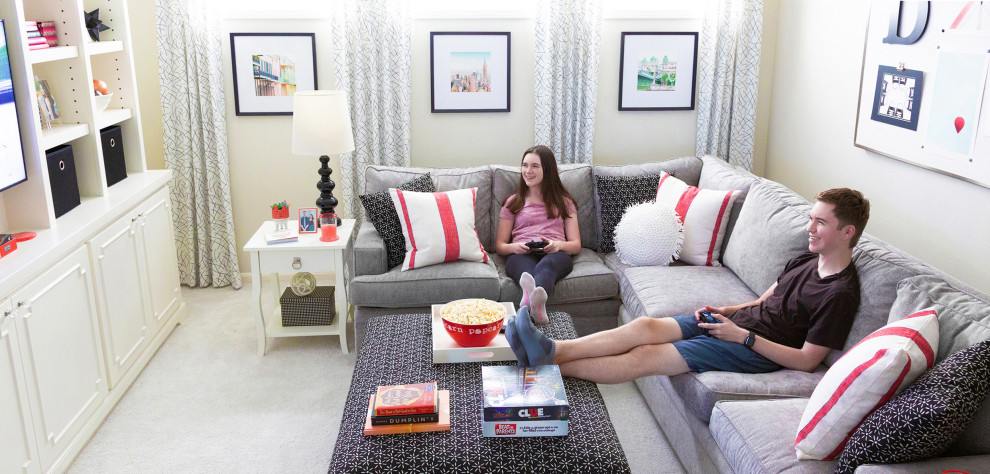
[657, 70]
[469, 71]
[269, 68]
[307, 220]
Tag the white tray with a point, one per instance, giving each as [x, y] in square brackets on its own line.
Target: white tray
[446, 351]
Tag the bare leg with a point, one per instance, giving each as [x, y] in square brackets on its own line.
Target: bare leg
[641, 331]
[641, 361]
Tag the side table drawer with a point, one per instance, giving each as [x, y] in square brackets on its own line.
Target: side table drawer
[308, 261]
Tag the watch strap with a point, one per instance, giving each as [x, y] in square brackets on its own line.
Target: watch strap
[750, 340]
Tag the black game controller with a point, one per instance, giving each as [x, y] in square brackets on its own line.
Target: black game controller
[706, 317]
[537, 246]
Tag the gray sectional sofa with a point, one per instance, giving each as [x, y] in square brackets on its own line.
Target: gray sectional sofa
[715, 421]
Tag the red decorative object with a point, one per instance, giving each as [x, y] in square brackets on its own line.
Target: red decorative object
[280, 210]
[960, 123]
[473, 335]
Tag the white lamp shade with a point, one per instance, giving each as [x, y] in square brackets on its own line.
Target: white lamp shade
[321, 123]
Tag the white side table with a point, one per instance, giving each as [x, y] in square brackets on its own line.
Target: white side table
[308, 254]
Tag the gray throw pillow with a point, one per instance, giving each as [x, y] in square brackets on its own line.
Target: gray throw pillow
[381, 212]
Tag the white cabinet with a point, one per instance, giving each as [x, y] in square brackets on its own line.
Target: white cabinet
[117, 255]
[61, 353]
[158, 247]
[16, 434]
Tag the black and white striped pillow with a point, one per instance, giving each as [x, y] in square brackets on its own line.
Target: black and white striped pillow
[927, 418]
[381, 212]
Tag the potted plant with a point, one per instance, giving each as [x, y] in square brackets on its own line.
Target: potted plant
[280, 213]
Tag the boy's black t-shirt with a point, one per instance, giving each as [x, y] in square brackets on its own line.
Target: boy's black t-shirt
[805, 307]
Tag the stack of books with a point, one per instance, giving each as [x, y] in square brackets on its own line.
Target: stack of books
[41, 34]
[413, 408]
[281, 236]
[524, 401]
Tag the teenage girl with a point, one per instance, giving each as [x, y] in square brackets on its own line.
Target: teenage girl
[540, 210]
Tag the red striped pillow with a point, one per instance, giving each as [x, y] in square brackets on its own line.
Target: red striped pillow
[866, 377]
[438, 227]
[705, 215]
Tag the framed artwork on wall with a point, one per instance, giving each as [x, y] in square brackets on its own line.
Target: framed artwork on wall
[269, 68]
[469, 71]
[657, 70]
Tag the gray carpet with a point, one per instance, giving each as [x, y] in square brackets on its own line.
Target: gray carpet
[207, 403]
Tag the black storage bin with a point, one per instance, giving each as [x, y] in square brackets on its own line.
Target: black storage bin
[62, 177]
[113, 154]
[314, 309]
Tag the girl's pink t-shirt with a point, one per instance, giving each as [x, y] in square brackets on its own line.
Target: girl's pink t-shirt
[531, 222]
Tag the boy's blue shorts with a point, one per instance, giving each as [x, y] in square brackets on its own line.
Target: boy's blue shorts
[703, 353]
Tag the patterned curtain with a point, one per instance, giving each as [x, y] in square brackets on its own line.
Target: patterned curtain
[728, 76]
[371, 59]
[195, 134]
[568, 40]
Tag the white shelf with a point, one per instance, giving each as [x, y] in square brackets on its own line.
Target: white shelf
[53, 54]
[274, 328]
[60, 134]
[103, 47]
[112, 117]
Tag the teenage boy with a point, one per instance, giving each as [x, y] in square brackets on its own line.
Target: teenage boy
[795, 323]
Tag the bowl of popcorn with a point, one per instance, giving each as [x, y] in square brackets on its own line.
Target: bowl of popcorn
[472, 322]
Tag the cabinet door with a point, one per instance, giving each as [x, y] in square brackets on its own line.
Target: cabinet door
[16, 433]
[60, 351]
[159, 252]
[121, 293]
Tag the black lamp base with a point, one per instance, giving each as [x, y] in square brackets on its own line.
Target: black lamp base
[326, 202]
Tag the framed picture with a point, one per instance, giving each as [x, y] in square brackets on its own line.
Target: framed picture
[307, 220]
[46, 102]
[269, 68]
[897, 100]
[469, 71]
[657, 70]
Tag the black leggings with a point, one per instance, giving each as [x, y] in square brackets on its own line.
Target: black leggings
[546, 269]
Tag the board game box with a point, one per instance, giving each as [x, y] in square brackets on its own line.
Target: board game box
[524, 394]
[521, 429]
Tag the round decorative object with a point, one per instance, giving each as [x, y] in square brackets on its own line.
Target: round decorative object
[303, 283]
[649, 234]
[472, 322]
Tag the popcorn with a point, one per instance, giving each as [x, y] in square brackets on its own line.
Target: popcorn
[472, 311]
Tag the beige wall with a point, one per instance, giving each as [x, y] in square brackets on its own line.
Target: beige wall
[942, 220]
[145, 43]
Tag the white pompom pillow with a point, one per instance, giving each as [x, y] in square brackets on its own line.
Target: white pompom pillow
[867, 376]
[649, 234]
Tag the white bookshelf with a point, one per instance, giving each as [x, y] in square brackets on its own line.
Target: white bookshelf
[69, 69]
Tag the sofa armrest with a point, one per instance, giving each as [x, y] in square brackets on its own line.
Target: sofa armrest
[368, 255]
[963, 463]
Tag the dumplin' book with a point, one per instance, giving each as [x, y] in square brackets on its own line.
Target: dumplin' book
[443, 424]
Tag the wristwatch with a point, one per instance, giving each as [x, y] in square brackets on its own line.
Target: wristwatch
[750, 340]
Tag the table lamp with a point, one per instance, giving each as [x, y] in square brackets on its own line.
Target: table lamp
[321, 125]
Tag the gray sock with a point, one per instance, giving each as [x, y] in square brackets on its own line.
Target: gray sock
[513, 337]
[540, 349]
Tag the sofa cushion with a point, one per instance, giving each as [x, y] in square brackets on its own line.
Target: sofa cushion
[378, 178]
[679, 289]
[924, 420]
[700, 392]
[425, 286]
[880, 267]
[749, 433]
[438, 227]
[771, 230]
[705, 214]
[590, 280]
[577, 180]
[718, 174]
[964, 320]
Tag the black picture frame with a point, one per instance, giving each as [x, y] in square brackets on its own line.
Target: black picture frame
[247, 100]
[496, 44]
[633, 46]
[911, 92]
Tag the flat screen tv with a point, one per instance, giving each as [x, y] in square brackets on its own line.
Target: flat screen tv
[11, 152]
